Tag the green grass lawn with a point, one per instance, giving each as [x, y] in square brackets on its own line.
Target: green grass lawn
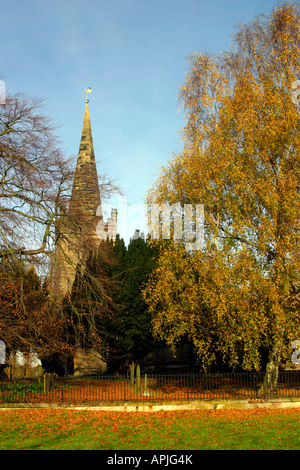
[164, 430]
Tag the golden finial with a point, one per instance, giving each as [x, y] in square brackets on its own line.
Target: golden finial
[86, 92]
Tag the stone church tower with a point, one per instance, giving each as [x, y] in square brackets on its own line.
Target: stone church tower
[76, 231]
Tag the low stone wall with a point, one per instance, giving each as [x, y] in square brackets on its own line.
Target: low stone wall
[18, 372]
[150, 407]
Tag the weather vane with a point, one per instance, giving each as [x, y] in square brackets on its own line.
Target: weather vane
[86, 92]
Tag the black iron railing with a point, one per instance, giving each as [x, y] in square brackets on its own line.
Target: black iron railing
[147, 388]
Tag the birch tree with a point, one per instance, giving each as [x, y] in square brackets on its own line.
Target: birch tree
[241, 159]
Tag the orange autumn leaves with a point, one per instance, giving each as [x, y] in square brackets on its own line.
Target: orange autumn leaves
[28, 320]
[119, 392]
[74, 429]
[241, 159]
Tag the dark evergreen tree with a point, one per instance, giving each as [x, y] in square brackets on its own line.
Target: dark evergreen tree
[130, 327]
[106, 309]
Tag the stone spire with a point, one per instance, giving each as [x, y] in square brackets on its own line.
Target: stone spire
[85, 197]
[77, 232]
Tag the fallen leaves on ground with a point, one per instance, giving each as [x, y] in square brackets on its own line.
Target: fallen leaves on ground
[97, 391]
[96, 429]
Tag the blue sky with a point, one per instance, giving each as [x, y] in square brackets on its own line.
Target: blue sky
[133, 54]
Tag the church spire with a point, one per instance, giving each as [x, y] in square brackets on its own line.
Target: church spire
[80, 231]
[85, 197]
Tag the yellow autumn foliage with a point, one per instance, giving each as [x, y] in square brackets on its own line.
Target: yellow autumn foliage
[237, 295]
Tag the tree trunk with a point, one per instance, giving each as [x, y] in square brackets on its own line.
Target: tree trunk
[269, 384]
